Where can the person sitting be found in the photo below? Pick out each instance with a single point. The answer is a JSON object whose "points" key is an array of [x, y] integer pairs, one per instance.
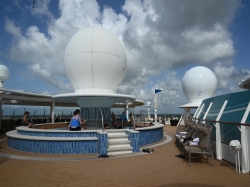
{"points": [[114, 121], [106, 125], [26, 121], [76, 122], [151, 124], [131, 120]]}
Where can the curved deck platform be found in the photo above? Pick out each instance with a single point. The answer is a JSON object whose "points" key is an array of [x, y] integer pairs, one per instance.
{"points": [[55, 141]]}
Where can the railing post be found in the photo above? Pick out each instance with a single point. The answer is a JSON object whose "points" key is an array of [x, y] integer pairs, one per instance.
{"points": [[245, 135], [102, 120], [218, 133]]}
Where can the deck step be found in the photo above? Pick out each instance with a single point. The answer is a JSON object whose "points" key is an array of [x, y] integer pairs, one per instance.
{"points": [[119, 152], [117, 136], [119, 149], [120, 146], [118, 143]]}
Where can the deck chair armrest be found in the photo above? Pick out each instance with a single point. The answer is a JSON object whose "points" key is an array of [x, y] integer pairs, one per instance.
{"points": [[180, 130], [204, 146], [201, 146]]}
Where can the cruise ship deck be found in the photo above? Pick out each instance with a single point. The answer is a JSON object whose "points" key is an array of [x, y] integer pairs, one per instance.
{"points": [[160, 168]]}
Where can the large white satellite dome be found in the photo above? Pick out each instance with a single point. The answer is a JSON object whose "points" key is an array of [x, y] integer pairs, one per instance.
{"points": [[4, 72], [95, 61], [199, 83]]}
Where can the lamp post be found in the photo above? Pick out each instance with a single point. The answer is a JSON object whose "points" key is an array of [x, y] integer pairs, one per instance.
{"points": [[148, 105], [155, 102]]}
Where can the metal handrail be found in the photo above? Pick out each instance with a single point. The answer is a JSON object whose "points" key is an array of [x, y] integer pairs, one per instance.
{"points": [[144, 116], [224, 122], [102, 120], [146, 112], [133, 118]]}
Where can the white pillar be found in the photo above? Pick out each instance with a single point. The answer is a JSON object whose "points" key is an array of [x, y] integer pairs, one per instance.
{"points": [[148, 113], [155, 114], [181, 120], [245, 148], [148, 105], [127, 110], [204, 117], [245, 135], [198, 109], [187, 113], [199, 112], [52, 112], [218, 133], [155, 107]]}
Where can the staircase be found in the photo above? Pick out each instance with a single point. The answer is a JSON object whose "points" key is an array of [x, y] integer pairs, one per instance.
{"points": [[118, 142]]}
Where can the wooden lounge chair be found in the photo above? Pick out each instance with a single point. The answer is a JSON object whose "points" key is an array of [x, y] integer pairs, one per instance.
{"points": [[191, 131], [202, 147]]}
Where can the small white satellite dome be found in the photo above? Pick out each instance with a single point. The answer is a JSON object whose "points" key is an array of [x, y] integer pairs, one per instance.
{"points": [[95, 61], [235, 145], [199, 83], [4, 73], [148, 104]]}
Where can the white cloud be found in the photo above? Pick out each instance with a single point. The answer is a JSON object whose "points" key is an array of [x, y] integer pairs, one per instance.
{"points": [[157, 35], [228, 75], [41, 9], [46, 76]]}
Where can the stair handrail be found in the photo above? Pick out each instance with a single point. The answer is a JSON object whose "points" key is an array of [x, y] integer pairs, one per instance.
{"points": [[102, 120], [132, 116], [145, 115]]}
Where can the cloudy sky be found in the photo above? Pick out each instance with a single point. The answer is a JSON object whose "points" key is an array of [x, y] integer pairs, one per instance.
{"points": [[162, 39]]}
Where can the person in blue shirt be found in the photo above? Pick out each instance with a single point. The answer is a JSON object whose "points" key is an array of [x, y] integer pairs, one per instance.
{"points": [[76, 122], [124, 119], [124, 116]]}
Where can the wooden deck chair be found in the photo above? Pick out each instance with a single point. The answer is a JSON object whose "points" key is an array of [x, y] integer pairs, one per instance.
{"points": [[190, 132], [202, 147]]}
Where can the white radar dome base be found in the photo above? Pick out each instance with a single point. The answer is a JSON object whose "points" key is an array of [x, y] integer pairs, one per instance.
{"points": [[95, 61], [198, 84], [4, 74], [94, 100]]}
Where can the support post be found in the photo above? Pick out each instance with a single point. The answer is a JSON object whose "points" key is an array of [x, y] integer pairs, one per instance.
{"points": [[204, 117], [218, 133], [155, 107], [127, 110], [187, 113], [52, 112], [245, 147], [199, 112], [148, 105], [198, 109]]}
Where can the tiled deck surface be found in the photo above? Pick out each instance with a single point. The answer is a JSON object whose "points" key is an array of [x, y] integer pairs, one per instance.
{"points": [[161, 168]]}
